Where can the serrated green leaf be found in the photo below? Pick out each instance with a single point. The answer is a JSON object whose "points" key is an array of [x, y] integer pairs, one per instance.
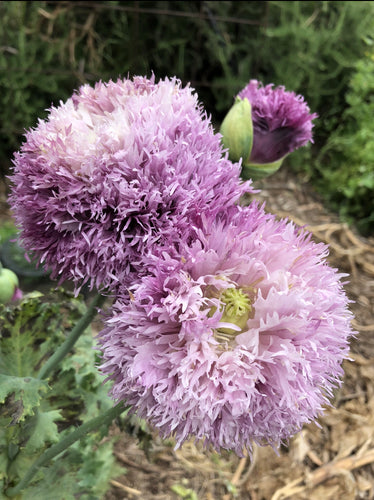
{"points": [[97, 469], [57, 483], [31, 331], [19, 396], [82, 472], [82, 362], [33, 328], [44, 432], [78, 388]]}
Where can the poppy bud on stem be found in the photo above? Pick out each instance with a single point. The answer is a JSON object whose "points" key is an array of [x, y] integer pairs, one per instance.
{"points": [[8, 284], [237, 131], [264, 125]]}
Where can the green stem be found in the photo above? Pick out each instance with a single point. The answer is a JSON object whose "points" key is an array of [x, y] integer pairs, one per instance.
{"points": [[74, 335], [105, 419]]}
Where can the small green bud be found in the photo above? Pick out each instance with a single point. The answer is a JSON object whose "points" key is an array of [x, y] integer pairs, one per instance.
{"points": [[256, 171], [8, 284], [237, 130]]}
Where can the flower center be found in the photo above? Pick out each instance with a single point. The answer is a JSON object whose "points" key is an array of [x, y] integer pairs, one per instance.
{"points": [[237, 310]]}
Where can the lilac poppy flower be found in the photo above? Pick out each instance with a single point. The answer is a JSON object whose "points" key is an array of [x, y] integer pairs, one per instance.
{"points": [[115, 171], [240, 341]]}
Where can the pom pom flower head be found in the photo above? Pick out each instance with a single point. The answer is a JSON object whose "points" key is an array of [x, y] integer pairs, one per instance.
{"points": [[264, 125], [115, 171], [239, 342]]}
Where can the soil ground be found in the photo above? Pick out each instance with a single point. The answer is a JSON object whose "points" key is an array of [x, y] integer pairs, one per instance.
{"points": [[333, 460]]}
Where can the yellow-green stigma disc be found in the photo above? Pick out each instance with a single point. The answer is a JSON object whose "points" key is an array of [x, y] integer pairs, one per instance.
{"points": [[237, 309]]}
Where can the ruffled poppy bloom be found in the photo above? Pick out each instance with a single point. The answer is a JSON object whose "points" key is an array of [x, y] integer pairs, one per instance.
{"points": [[115, 171], [264, 125], [282, 121], [238, 342]]}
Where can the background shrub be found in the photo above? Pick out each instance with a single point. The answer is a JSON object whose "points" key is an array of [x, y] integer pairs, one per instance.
{"points": [[346, 163]]}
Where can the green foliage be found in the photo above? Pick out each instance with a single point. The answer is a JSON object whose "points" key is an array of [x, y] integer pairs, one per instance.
{"points": [[35, 413], [25, 392], [81, 473], [346, 163]]}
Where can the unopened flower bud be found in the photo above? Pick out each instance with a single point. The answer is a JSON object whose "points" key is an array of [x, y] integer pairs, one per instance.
{"points": [[237, 130], [8, 285], [280, 123]]}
